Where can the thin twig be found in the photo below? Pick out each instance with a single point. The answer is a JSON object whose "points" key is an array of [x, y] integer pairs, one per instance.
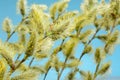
{"points": [[97, 66], [96, 70], [17, 57], [16, 29], [50, 66], [23, 60], [31, 61], [47, 72], [62, 68], [82, 54]]}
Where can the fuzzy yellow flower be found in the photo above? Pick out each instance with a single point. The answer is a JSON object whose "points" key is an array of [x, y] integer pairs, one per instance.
{"points": [[2, 69]]}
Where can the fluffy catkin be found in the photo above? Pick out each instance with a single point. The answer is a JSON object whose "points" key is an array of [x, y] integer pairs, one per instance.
{"points": [[7, 26], [104, 68], [97, 55], [2, 69], [31, 44], [22, 7], [8, 58]]}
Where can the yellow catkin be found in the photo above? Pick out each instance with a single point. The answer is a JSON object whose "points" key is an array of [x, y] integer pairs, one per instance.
{"points": [[31, 44], [30, 74], [112, 40], [104, 68], [71, 75], [36, 14], [22, 7], [22, 39], [2, 69], [67, 15], [84, 36], [62, 5], [83, 73], [97, 55], [56, 50], [7, 57], [89, 76], [68, 47], [102, 37], [40, 56], [88, 49], [73, 63], [53, 10], [7, 26]]}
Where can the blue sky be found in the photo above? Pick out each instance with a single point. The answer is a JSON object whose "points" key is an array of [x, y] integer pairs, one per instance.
{"points": [[8, 9]]}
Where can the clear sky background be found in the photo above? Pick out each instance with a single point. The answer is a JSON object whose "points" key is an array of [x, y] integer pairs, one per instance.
{"points": [[8, 9]]}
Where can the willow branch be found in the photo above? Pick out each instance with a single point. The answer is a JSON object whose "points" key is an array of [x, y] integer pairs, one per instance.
{"points": [[82, 54], [96, 70], [62, 68], [16, 29], [97, 66], [50, 66], [46, 73]]}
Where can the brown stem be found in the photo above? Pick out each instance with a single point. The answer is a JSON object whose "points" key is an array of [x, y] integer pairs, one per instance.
{"points": [[96, 70], [113, 26], [31, 61], [17, 57], [112, 29], [50, 66], [47, 73], [88, 43], [23, 60], [97, 66], [82, 54], [62, 68], [16, 29], [10, 35]]}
